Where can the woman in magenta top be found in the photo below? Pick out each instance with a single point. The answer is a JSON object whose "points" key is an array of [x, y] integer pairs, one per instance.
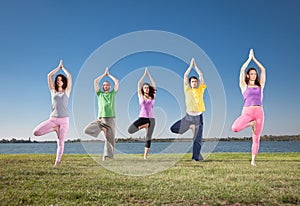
{"points": [[252, 86], [146, 94]]}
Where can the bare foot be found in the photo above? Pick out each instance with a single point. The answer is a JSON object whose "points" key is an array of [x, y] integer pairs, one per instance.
{"points": [[143, 126], [56, 165], [193, 127], [146, 126], [253, 164], [146, 153], [253, 125], [56, 129]]}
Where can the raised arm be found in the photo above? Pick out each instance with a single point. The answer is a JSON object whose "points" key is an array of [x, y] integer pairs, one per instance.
{"points": [[115, 80], [98, 79], [243, 84], [262, 79], [152, 82], [69, 77], [151, 79], [51, 74], [187, 72], [140, 82], [199, 73]]}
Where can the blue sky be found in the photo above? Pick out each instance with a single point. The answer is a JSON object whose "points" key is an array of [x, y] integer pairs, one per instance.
{"points": [[35, 34]]}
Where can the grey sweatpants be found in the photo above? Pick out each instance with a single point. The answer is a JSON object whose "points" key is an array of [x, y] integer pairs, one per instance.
{"points": [[94, 129]]}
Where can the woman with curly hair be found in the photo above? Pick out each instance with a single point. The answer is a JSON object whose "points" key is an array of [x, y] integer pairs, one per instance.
{"points": [[146, 94], [59, 118]]}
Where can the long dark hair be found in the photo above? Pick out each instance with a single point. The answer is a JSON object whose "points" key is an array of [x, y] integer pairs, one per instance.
{"points": [[152, 91], [256, 82], [63, 79]]}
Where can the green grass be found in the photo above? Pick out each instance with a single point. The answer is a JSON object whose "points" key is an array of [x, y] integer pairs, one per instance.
{"points": [[222, 179]]}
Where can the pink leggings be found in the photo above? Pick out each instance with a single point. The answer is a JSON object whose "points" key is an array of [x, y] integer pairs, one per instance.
{"points": [[251, 114], [48, 126]]}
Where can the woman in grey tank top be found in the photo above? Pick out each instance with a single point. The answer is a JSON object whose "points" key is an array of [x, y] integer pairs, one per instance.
{"points": [[58, 122]]}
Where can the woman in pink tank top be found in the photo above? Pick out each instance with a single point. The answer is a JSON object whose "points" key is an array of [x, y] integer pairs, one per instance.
{"points": [[252, 86], [146, 94]]}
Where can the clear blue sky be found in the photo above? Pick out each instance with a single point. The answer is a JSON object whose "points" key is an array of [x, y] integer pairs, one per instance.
{"points": [[35, 34]]}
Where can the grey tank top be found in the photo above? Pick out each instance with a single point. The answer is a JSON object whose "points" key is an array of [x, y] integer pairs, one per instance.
{"points": [[59, 104]]}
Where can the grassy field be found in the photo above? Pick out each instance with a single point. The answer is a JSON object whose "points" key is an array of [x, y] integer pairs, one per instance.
{"points": [[222, 179]]}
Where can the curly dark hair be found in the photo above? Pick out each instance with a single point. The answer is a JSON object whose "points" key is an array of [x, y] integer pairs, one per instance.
{"points": [[63, 79], [152, 91], [257, 77]]}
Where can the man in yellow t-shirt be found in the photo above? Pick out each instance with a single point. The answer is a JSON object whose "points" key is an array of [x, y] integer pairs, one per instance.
{"points": [[194, 109]]}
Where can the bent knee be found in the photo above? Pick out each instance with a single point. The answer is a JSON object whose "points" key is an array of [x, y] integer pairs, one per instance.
{"points": [[234, 128], [87, 131], [93, 133], [37, 133], [130, 130], [174, 130]]}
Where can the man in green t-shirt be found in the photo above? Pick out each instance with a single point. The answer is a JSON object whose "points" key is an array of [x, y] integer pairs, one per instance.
{"points": [[106, 114]]}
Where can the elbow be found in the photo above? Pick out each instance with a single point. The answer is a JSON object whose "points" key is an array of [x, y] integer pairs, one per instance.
{"points": [[49, 77], [186, 77], [69, 75]]}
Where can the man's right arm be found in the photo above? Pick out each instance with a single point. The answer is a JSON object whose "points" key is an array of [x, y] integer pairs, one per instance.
{"points": [[98, 79], [187, 72]]}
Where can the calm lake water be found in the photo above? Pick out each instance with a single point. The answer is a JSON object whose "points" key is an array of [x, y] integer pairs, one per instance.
{"points": [[156, 147]]}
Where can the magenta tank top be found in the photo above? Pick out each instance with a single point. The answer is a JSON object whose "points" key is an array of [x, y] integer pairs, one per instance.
{"points": [[146, 108], [253, 96]]}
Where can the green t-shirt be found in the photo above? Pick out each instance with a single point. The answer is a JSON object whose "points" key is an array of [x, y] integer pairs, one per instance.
{"points": [[106, 104]]}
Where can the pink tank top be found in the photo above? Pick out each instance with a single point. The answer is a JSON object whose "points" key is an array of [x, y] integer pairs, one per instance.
{"points": [[252, 96], [146, 108]]}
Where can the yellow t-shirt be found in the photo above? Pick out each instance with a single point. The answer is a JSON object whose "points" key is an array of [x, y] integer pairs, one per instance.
{"points": [[194, 98]]}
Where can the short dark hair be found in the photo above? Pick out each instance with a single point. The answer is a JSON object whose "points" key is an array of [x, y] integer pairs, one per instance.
{"points": [[192, 77], [106, 82]]}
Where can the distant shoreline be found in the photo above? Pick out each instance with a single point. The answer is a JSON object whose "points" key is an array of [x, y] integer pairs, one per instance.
{"points": [[229, 139]]}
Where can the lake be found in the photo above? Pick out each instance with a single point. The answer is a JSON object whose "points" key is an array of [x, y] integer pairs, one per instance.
{"points": [[156, 147]]}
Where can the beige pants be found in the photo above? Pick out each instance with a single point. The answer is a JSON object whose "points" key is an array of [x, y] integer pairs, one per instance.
{"points": [[94, 129]]}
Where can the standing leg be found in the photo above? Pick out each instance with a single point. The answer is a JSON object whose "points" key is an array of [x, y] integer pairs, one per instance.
{"points": [[197, 138], [259, 120], [149, 137], [63, 130], [109, 144]]}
